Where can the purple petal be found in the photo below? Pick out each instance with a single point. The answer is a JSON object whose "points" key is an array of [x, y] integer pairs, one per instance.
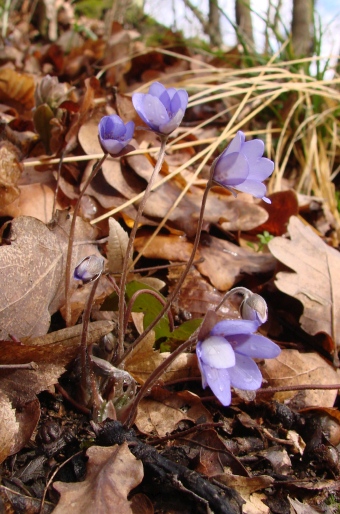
{"points": [[156, 89], [252, 187], [165, 99], [111, 127], [175, 103], [138, 103], [245, 374], [216, 352], [235, 144], [253, 150], [129, 130], [261, 169], [112, 146], [230, 327], [169, 127], [231, 169], [154, 111], [256, 346], [183, 96], [219, 382], [172, 91]]}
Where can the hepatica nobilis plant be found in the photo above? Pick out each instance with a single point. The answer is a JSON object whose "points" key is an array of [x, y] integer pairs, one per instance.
{"points": [[225, 355]]}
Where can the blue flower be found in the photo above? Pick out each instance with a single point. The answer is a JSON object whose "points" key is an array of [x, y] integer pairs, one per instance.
{"points": [[225, 357], [89, 268], [114, 134], [242, 167], [161, 109]]}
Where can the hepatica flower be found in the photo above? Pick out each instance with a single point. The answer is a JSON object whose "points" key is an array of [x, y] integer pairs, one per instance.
{"points": [[161, 109], [242, 167], [114, 134], [225, 357]]}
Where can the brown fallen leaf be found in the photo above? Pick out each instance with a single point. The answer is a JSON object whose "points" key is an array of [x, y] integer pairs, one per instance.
{"points": [[225, 263], [293, 368], [32, 271], [284, 204], [160, 414], [17, 87], [315, 280], [112, 472]]}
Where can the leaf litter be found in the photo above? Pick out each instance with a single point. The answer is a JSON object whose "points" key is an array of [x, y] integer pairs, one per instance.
{"points": [[273, 451]]}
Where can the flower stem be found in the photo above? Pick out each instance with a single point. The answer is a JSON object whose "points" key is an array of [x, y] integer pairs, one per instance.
{"points": [[131, 413], [68, 271], [85, 366], [181, 279], [129, 249]]}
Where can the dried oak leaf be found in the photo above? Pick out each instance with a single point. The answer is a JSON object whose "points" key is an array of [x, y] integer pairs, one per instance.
{"points": [[112, 472], [294, 368], [315, 280], [225, 263], [32, 272]]}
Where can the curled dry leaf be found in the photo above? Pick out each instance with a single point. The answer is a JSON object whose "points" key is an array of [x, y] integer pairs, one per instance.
{"points": [[317, 270], [112, 472], [117, 245], [294, 368], [32, 272]]}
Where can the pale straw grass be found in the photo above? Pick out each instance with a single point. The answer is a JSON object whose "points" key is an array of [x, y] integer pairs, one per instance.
{"points": [[253, 99]]}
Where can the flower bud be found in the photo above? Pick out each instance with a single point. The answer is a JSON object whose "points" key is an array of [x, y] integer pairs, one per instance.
{"points": [[49, 91], [254, 308], [89, 268]]}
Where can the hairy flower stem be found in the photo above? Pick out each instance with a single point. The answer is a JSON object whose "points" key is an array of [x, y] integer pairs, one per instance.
{"points": [[129, 249], [179, 284], [68, 271], [236, 290], [155, 375], [86, 370]]}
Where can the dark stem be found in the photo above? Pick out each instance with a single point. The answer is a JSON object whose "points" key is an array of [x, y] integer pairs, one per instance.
{"points": [[129, 249], [68, 271], [179, 284], [85, 367], [57, 185]]}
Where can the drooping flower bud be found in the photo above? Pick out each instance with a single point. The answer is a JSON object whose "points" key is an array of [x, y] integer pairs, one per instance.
{"points": [[49, 91], [89, 268], [254, 308]]}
